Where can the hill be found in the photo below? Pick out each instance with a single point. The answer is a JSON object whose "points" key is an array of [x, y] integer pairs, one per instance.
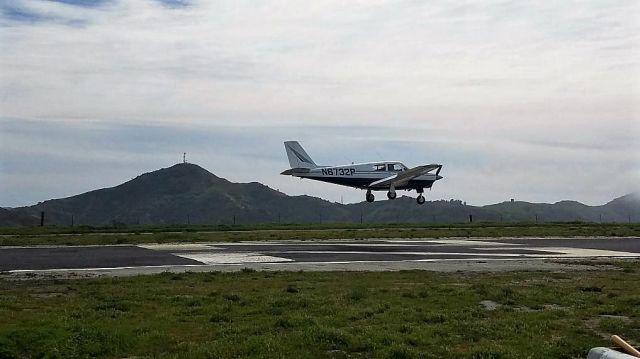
{"points": [[187, 193], [10, 217], [180, 194]]}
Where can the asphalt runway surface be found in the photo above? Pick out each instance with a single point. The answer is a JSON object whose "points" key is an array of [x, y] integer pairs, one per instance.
{"points": [[372, 254]]}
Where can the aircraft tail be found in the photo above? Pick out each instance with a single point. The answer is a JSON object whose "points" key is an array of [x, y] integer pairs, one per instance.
{"points": [[298, 157]]}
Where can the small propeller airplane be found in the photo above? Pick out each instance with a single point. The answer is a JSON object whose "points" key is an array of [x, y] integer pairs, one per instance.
{"points": [[374, 176]]}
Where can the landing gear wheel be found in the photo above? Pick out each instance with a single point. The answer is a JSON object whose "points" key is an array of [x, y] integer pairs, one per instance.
{"points": [[370, 197], [420, 199], [391, 195]]}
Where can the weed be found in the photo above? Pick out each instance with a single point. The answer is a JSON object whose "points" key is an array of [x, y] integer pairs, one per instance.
{"points": [[357, 294], [284, 323], [331, 338], [232, 297], [434, 318], [591, 288], [486, 354], [219, 317]]}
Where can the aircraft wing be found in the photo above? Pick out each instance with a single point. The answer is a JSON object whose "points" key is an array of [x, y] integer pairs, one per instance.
{"points": [[405, 176]]}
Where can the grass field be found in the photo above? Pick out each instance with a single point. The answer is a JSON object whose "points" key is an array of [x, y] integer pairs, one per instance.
{"points": [[90, 235], [325, 314]]}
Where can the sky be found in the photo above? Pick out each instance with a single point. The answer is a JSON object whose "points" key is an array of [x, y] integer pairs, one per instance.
{"points": [[537, 101]]}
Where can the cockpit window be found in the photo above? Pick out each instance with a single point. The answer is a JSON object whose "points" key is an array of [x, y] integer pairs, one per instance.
{"points": [[395, 167], [381, 167]]}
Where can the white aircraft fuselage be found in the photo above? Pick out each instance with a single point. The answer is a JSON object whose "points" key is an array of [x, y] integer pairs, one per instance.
{"points": [[373, 176]]}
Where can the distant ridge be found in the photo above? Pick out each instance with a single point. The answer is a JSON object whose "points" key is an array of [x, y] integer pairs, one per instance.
{"points": [[10, 217], [187, 193], [179, 194]]}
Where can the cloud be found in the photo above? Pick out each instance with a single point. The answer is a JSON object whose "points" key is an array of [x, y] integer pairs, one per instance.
{"points": [[515, 99]]}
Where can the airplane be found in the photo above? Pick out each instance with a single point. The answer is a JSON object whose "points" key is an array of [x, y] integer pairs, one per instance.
{"points": [[373, 176]]}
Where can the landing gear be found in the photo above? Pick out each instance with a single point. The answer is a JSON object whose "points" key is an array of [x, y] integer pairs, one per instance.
{"points": [[420, 198], [370, 197], [391, 195]]}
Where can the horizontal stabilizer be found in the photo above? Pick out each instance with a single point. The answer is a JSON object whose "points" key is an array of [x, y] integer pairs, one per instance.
{"points": [[295, 170]]}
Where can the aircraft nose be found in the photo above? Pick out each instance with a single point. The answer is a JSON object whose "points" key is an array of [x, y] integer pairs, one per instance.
{"points": [[439, 177]]}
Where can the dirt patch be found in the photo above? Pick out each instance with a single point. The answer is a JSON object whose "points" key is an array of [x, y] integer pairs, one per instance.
{"points": [[523, 265], [623, 318], [489, 305], [594, 324]]}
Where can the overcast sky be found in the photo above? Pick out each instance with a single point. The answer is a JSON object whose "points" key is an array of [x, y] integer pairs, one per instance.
{"points": [[534, 100]]}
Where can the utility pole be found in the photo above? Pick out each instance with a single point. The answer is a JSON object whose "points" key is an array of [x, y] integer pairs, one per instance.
{"points": [[42, 219], [234, 219], [184, 157], [72, 220], [471, 218]]}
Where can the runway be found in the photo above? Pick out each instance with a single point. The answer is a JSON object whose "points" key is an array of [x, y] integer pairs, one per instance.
{"points": [[371, 254]]}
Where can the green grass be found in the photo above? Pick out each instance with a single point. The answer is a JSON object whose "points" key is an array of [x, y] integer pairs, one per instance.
{"points": [[90, 235], [287, 314]]}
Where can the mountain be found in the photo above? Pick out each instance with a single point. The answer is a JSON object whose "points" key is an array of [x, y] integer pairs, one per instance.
{"points": [[9, 217], [187, 193], [625, 206], [180, 194]]}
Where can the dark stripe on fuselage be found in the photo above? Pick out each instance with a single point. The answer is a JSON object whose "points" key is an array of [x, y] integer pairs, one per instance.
{"points": [[364, 182]]}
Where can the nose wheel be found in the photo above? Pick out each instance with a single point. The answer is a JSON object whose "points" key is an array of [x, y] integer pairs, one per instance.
{"points": [[370, 197], [420, 199]]}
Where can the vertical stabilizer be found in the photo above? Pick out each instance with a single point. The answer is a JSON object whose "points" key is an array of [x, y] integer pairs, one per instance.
{"points": [[298, 157]]}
